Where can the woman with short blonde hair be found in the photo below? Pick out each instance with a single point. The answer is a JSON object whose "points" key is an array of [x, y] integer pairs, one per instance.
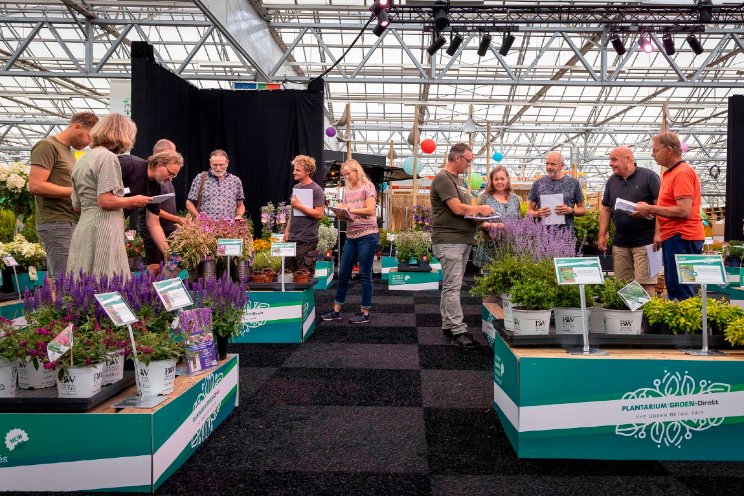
{"points": [[115, 132]]}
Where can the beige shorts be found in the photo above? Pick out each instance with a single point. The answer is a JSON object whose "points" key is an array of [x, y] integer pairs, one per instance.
{"points": [[631, 264]]}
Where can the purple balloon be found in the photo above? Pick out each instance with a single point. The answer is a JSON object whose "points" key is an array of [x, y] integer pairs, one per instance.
{"points": [[331, 132], [684, 147]]}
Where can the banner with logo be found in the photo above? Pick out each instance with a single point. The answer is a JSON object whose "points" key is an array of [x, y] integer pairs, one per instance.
{"points": [[413, 281], [278, 317], [620, 408]]}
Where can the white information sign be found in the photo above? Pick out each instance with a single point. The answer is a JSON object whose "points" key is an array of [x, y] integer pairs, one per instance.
{"points": [[634, 295], [283, 249], [578, 270], [173, 294], [9, 261], [700, 269], [116, 308], [227, 247]]}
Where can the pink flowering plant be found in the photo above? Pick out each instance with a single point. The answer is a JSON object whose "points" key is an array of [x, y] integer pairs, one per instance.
{"points": [[33, 341], [268, 217], [8, 340], [154, 346], [87, 350]]}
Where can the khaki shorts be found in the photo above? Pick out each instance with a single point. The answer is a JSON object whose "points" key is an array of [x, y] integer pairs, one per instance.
{"points": [[631, 264]]}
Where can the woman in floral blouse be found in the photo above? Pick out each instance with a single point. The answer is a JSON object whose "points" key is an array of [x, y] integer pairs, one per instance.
{"points": [[499, 196]]}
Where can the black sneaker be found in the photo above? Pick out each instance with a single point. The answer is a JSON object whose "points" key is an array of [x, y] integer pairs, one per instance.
{"points": [[465, 341], [332, 315], [447, 333], [359, 318]]}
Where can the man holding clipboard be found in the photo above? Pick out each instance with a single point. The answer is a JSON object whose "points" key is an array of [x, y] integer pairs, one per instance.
{"points": [[308, 204]]}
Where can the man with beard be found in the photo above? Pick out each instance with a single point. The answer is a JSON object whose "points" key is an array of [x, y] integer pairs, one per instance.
{"points": [[50, 181], [557, 182]]}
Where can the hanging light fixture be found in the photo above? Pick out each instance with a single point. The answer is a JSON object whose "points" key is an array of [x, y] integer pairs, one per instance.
{"points": [[441, 18], [695, 44], [438, 43], [383, 21], [668, 41], [618, 44], [485, 42], [455, 43], [506, 44], [645, 43]]}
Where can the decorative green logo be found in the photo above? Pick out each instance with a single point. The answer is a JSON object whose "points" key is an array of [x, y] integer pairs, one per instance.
{"points": [[208, 385], [14, 437]]}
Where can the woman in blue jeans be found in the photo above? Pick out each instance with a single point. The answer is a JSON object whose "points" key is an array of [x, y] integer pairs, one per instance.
{"points": [[362, 238]]}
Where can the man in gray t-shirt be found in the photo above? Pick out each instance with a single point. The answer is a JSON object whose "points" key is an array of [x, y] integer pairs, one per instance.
{"points": [[306, 212], [557, 182]]}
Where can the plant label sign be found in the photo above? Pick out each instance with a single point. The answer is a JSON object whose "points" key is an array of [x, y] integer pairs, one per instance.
{"points": [[578, 270], [229, 247], [10, 261], [634, 295], [116, 308], [173, 294], [700, 269], [283, 249]]}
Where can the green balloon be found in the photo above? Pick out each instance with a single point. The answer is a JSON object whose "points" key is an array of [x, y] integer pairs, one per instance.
{"points": [[476, 180]]}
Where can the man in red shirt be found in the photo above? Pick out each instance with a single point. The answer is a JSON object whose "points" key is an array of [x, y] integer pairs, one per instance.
{"points": [[679, 227]]}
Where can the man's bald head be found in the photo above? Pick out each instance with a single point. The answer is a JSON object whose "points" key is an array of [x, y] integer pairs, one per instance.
{"points": [[622, 161]]}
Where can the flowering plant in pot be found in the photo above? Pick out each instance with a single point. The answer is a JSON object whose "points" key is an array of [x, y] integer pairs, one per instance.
{"points": [[192, 242], [135, 251], [301, 276], [327, 237], [413, 245], [8, 352], [155, 346], [14, 194], [227, 300], [421, 218], [26, 254]]}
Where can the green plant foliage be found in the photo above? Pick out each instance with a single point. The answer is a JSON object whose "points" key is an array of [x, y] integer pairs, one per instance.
{"points": [[721, 314], [7, 225], [384, 241], [658, 310], [154, 346], [327, 237], [534, 294], [568, 296], [29, 229], [608, 296], [326, 221], [734, 332], [586, 228], [264, 260], [500, 275], [412, 244], [735, 250]]}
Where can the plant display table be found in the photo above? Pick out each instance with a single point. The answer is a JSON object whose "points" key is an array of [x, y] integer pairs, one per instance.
{"points": [[324, 274], [273, 316], [413, 281], [387, 264], [628, 405], [108, 449], [11, 309]]}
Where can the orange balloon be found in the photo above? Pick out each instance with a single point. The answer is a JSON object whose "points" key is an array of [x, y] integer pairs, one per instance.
{"points": [[428, 146]]}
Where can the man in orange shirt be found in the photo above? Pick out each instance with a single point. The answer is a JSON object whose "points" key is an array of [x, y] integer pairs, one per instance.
{"points": [[679, 227]]}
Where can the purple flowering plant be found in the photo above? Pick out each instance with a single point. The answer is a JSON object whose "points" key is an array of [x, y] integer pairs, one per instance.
{"points": [[421, 218], [526, 237], [33, 341], [226, 299], [194, 323]]}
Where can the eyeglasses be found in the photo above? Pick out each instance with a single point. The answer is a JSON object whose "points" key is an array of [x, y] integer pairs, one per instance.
{"points": [[171, 175], [466, 160], [218, 164]]}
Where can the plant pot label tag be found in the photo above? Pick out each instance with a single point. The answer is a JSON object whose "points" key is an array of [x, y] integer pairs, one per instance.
{"points": [[634, 295], [60, 344], [283, 249], [33, 275], [173, 294], [130, 234], [116, 308], [10, 261], [227, 247], [700, 269], [578, 270]]}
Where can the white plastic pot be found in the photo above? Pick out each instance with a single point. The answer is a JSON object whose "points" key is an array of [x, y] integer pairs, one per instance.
{"points": [[568, 320], [623, 321], [80, 382], [157, 378], [8, 378], [30, 377], [596, 320], [531, 322], [506, 304], [113, 368]]}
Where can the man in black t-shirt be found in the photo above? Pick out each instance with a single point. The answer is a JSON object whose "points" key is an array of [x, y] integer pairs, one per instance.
{"points": [[632, 233]]}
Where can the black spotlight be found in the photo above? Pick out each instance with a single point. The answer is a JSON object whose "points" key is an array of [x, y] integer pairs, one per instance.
{"points": [[695, 44], [441, 20], [618, 44], [506, 44], [436, 45], [485, 42], [668, 43], [381, 5], [455, 43], [645, 43], [383, 21], [705, 10]]}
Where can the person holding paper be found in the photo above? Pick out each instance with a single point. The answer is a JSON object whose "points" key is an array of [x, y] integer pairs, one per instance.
{"points": [[216, 193], [308, 205], [679, 227], [499, 196], [452, 239], [50, 181], [556, 182], [97, 245], [362, 238], [632, 234]]}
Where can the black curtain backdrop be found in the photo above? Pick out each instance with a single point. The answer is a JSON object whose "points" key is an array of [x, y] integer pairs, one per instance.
{"points": [[735, 169], [261, 131]]}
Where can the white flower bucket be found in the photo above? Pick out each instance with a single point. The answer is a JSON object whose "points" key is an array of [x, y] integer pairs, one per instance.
{"points": [[32, 378], [113, 368], [623, 321], [531, 322], [8, 378], [596, 320], [568, 320], [157, 378], [80, 382], [506, 304]]}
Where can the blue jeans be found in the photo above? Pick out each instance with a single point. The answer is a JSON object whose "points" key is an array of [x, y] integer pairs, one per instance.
{"points": [[362, 250], [678, 246]]}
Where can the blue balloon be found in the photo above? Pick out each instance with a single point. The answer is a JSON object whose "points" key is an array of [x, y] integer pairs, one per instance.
{"points": [[408, 165], [498, 156]]}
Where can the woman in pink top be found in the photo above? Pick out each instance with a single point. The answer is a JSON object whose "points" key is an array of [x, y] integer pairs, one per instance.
{"points": [[362, 238]]}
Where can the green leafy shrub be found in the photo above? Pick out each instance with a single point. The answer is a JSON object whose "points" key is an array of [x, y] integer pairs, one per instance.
{"points": [[721, 314], [586, 228], [658, 310], [7, 225], [412, 244], [734, 332], [500, 275], [569, 296], [534, 294], [29, 229], [608, 296]]}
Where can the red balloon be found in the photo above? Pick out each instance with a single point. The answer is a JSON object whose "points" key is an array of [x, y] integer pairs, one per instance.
{"points": [[428, 146]]}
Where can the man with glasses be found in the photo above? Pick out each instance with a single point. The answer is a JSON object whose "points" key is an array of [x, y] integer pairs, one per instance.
{"points": [[452, 238], [679, 227], [216, 193], [146, 177], [557, 182]]}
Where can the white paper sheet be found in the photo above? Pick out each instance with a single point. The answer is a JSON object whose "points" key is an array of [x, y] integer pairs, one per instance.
{"points": [[655, 260], [161, 198], [306, 199], [626, 205], [552, 201]]}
